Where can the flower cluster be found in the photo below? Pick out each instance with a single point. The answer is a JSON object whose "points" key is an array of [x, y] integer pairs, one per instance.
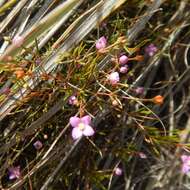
{"points": [[123, 59]]}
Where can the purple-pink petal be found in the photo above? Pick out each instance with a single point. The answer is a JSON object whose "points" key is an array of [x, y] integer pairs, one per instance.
{"points": [[11, 176], [88, 131], [103, 40], [184, 158], [86, 120], [185, 168], [74, 121], [76, 133]]}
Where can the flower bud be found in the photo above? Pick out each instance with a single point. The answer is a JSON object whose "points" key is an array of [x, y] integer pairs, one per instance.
{"points": [[123, 59], [118, 171], [158, 99], [38, 145], [123, 69], [19, 73], [73, 100]]}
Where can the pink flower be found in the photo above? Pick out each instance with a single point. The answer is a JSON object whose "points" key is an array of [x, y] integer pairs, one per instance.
{"points": [[38, 145], [142, 155], [73, 100], [123, 69], [114, 78], [185, 163], [123, 59], [118, 171], [151, 50], [101, 43], [139, 90], [18, 41], [14, 173], [81, 127]]}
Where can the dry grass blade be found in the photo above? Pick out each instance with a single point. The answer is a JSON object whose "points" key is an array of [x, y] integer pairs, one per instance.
{"points": [[33, 33], [12, 15]]}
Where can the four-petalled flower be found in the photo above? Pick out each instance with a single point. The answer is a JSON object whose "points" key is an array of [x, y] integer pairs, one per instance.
{"points": [[81, 127]]}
